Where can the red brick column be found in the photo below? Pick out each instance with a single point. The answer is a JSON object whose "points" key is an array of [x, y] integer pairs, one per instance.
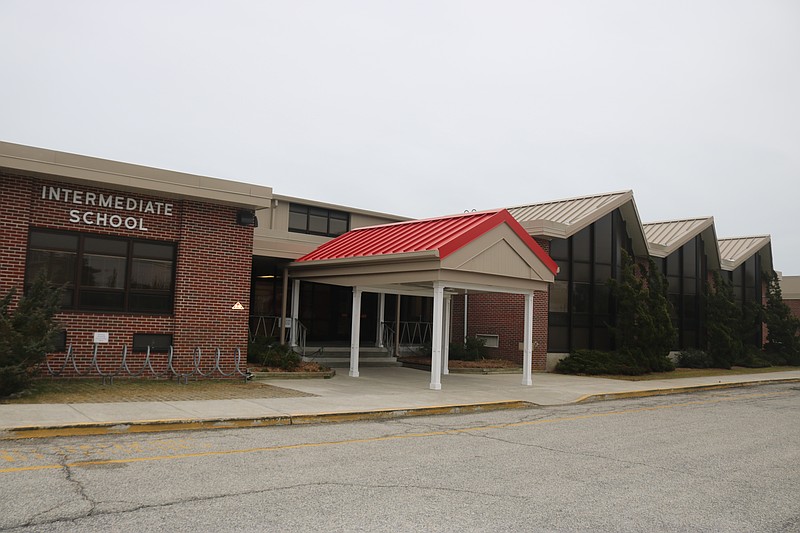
{"points": [[213, 274]]}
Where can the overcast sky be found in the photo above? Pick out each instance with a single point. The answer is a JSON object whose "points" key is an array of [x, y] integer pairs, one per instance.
{"points": [[432, 107]]}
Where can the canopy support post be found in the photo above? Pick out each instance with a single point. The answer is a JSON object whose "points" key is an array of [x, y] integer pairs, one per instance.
{"points": [[381, 310], [436, 344], [527, 355], [355, 332]]}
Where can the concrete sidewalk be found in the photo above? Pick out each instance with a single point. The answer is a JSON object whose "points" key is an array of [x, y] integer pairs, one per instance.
{"points": [[377, 393]]}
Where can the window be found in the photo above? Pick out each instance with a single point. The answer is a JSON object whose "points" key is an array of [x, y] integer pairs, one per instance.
{"points": [[318, 221], [102, 273]]}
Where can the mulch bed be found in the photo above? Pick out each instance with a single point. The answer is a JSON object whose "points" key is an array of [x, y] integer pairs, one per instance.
{"points": [[304, 366]]}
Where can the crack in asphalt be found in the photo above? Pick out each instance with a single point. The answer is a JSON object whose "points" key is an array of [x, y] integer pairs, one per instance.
{"points": [[80, 491], [93, 512]]}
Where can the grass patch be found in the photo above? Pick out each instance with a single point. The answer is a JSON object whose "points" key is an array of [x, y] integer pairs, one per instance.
{"points": [[88, 390], [701, 372]]}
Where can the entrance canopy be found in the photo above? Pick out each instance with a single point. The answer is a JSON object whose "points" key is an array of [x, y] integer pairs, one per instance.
{"points": [[487, 252]]}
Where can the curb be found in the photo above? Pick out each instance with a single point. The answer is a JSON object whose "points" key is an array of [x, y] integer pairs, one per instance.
{"points": [[156, 426], [679, 390]]}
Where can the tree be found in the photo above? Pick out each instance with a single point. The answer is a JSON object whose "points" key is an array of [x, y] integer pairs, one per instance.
{"points": [[663, 331], [783, 340], [27, 334], [724, 323], [643, 328]]}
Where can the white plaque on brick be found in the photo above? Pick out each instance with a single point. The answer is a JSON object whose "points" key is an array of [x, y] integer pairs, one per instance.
{"points": [[100, 337]]}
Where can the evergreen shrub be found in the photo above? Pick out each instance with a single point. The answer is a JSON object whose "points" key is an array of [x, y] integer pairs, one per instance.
{"points": [[27, 334], [596, 362], [694, 358], [472, 349], [266, 352]]}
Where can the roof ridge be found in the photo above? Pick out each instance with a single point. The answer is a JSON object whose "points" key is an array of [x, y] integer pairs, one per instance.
{"points": [[431, 219], [763, 236], [688, 219], [584, 197]]}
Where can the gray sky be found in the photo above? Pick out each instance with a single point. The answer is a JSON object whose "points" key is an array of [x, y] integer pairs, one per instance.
{"points": [[432, 107]]}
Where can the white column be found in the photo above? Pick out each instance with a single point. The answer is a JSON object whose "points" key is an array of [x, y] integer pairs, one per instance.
{"points": [[381, 309], [295, 311], [448, 311], [527, 343], [355, 332], [436, 341]]}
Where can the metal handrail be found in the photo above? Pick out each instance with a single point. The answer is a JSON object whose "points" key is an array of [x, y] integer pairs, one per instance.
{"points": [[411, 333], [270, 327]]}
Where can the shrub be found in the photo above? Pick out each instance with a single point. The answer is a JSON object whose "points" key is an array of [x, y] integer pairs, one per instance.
{"points": [[783, 328], [643, 329], [266, 352], [752, 358], [694, 358], [725, 319], [595, 362], [472, 349], [27, 334]]}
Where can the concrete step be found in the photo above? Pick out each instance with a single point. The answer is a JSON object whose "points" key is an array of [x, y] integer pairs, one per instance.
{"points": [[339, 356], [341, 362]]}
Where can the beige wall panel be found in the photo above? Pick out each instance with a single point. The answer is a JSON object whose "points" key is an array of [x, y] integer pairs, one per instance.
{"points": [[514, 257]]}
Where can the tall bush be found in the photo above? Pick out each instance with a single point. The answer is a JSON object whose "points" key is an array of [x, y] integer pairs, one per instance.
{"points": [[724, 322], [27, 334], [643, 328], [783, 328]]}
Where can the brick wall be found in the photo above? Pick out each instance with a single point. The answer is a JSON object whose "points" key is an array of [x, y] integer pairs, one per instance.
{"points": [[794, 305], [212, 271]]}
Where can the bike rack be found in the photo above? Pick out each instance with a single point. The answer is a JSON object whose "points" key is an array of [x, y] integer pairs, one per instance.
{"points": [[124, 370]]}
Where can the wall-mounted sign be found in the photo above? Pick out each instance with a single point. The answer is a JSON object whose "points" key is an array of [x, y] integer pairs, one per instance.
{"points": [[237, 306], [130, 207], [100, 337]]}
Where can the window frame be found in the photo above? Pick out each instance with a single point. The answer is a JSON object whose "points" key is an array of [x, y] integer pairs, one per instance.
{"points": [[311, 213], [76, 286]]}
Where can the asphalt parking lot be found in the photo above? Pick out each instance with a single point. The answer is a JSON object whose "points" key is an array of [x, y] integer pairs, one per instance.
{"points": [[722, 460]]}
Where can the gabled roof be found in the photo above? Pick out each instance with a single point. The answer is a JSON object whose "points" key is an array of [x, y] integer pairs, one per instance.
{"points": [[486, 252], [667, 236], [441, 236], [736, 250], [563, 218]]}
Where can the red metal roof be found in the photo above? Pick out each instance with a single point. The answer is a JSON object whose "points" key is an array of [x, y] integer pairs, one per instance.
{"points": [[444, 234]]}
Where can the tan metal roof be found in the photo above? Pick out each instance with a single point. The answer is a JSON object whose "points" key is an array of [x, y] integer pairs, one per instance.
{"points": [[51, 164], [736, 250], [667, 236], [563, 218]]}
